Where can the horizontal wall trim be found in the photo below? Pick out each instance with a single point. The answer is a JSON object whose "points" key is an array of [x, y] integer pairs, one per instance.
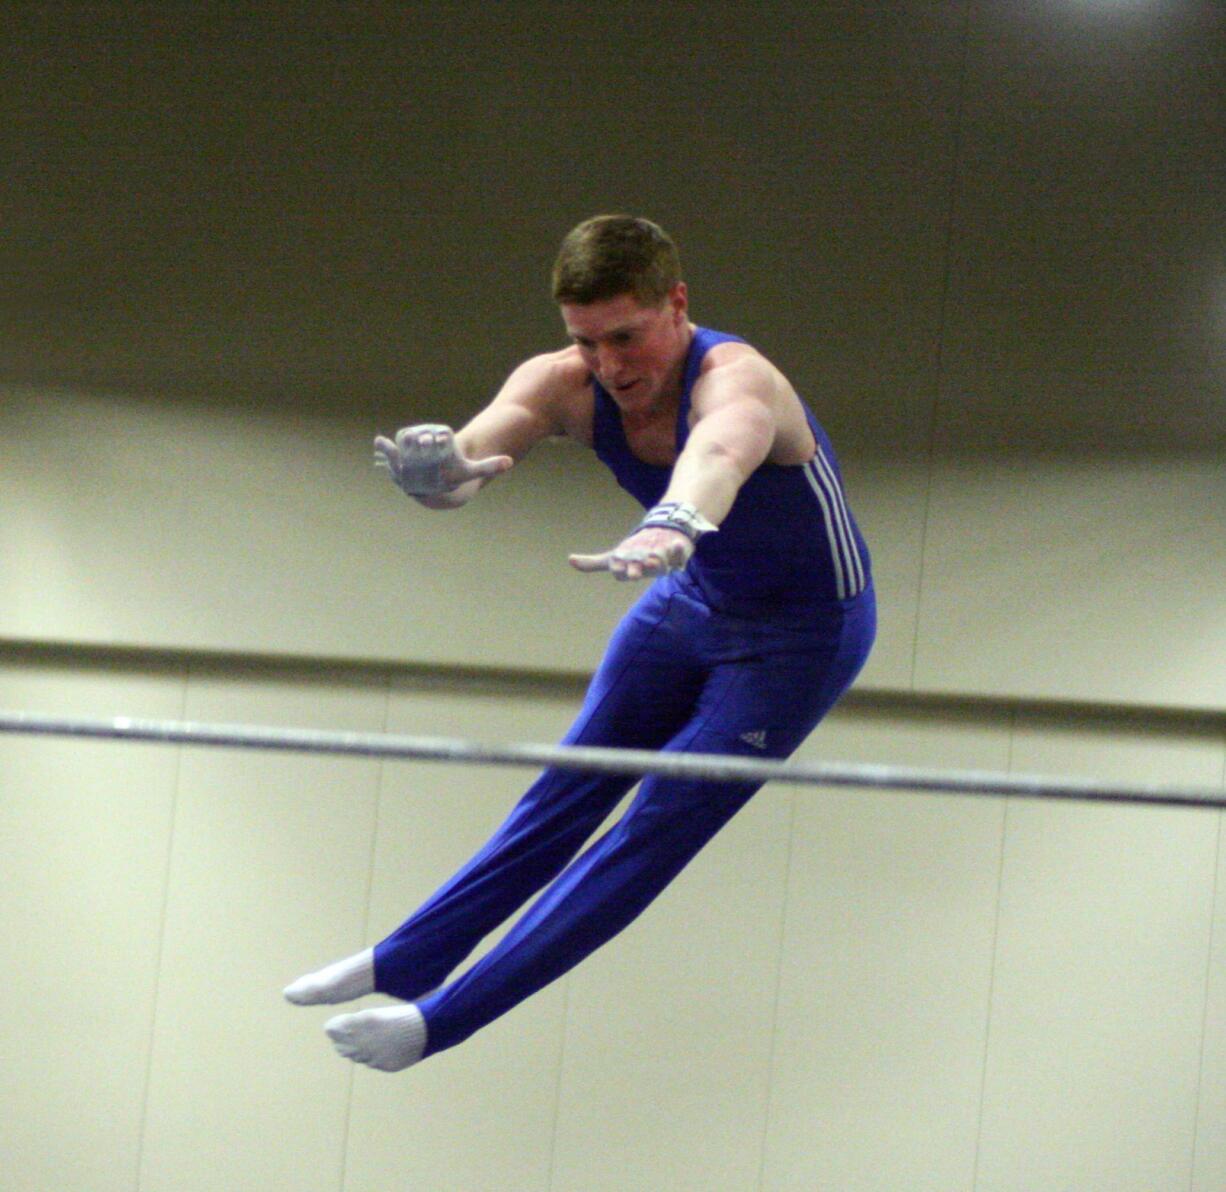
{"points": [[561, 684]]}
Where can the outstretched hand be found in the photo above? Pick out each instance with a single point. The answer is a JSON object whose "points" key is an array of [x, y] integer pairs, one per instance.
{"points": [[644, 555], [425, 460]]}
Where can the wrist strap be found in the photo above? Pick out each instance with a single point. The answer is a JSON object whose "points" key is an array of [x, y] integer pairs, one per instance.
{"points": [[678, 515]]}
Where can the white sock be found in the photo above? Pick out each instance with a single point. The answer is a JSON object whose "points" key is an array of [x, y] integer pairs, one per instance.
{"points": [[390, 1038], [339, 982]]}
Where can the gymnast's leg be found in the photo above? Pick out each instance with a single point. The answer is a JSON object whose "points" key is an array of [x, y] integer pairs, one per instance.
{"points": [[773, 701], [642, 692]]}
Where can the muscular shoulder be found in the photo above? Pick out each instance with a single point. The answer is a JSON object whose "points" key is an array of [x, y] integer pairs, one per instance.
{"points": [[732, 368], [551, 376], [738, 374], [556, 387]]}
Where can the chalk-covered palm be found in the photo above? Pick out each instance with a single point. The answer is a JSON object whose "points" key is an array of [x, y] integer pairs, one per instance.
{"points": [[647, 553], [425, 460]]}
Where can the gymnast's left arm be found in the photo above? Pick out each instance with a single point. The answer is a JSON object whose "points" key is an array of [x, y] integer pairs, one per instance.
{"points": [[734, 430], [732, 435]]}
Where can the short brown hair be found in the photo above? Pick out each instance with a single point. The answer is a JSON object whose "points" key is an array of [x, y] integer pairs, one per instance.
{"points": [[610, 255]]}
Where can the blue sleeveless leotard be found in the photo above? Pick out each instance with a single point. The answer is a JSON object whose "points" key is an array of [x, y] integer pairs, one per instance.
{"points": [[790, 539]]}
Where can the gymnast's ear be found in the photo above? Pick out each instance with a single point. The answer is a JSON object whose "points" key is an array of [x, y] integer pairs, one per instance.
{"points": [[679, 302]]}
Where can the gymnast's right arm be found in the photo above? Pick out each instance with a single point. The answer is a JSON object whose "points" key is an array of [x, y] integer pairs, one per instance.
{"points": [[444, 470]]}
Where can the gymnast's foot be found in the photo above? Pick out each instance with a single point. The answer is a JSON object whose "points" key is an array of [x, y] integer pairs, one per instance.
{"points": [[391, 1038], [339, 982]]}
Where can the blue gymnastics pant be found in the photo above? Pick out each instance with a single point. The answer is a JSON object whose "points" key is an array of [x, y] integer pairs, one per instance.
{"points": [[677, 676]]}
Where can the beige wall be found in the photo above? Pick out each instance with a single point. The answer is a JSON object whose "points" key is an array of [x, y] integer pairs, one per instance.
{"points": [[985, 242], [1093, 578], [1011, 994]]}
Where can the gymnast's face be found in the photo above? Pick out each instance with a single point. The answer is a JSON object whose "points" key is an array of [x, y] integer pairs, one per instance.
{"points": [[636, 352]]}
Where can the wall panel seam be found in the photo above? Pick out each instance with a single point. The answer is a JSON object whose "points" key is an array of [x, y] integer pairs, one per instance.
{"points": [[773, 1048], [1204, 1030], [163, 913], [367, 910], [942, 310], [994, 955], [556, 1125]]}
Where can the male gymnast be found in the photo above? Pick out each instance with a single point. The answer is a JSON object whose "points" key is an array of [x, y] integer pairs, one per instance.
{"points": [[760, 616]]}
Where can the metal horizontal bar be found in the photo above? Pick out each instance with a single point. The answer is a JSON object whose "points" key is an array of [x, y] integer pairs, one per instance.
{"points": [[707, 767]]}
